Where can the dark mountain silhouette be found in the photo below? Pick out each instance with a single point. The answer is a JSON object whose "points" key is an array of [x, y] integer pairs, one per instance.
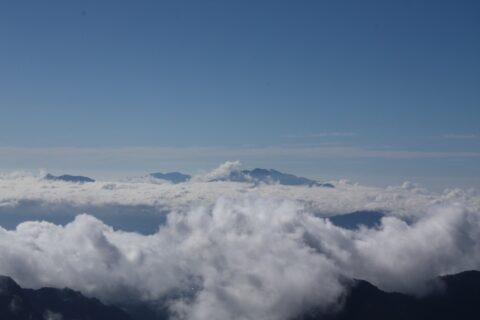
{"points": [[272, 176], [13, 303], [354, 220], [456, 297], [69, 178], [174, 177], [49, 303], [150, 310]]}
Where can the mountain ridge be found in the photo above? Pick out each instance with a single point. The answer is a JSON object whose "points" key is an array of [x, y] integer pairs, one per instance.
{"points": [[269, 176], [68, 178], [456, 296], [17, 303]]}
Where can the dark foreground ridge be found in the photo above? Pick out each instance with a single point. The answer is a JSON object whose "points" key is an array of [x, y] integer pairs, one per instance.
{"points": [[49, 304], [69, 178], [455, 297]]}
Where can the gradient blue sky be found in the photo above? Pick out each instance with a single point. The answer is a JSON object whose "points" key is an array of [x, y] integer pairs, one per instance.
{"points": [[376, 91]]}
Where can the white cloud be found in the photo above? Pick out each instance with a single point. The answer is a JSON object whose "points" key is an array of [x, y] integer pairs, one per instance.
{"points": [[405, 200], [221, 172], [250, 258], [232, 250]]}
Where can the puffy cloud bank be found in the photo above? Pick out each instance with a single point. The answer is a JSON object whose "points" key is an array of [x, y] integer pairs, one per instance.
{"points": [[254, 258], [234, 250], [407, 200]]}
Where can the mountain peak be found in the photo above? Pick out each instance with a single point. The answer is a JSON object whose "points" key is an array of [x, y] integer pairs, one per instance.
{"points": [[272, 176], [8, 285], [50, 303]]}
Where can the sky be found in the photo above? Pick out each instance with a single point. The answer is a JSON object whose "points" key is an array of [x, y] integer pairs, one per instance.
{"points": [[374, 91]]}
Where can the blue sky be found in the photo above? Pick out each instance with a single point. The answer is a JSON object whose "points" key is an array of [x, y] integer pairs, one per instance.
{"points": [[392, 86]]}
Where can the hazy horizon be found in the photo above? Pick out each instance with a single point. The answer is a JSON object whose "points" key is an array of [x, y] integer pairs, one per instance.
{"points": [[370, 91]]}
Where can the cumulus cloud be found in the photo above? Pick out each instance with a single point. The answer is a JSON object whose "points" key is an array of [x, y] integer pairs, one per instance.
{"points": [[221, 172], [249, 258], [229, 250], [30, 193], [235, 259]]}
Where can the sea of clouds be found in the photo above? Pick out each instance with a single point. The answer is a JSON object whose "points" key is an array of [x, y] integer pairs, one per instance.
{"points": [[228, 250]]}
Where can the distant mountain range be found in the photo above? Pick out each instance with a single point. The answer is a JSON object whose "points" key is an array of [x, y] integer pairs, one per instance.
{"points": [[456, 297], [69, 178], [270, 176], [256, 176]]}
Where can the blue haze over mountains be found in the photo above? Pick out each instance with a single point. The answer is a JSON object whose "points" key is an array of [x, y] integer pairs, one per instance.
{"points": [[146, 219], [255, 176]]}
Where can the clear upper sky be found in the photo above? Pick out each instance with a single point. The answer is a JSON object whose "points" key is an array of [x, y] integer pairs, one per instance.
{"points": [[384, 90]]}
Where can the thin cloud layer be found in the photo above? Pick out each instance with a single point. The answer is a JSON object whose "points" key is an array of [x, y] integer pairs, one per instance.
{"points": [[407, 200]]}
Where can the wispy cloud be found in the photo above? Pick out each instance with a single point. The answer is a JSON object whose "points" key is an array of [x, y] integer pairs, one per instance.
{"points": [[327, 134], [132, 155], [462, 136]]}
